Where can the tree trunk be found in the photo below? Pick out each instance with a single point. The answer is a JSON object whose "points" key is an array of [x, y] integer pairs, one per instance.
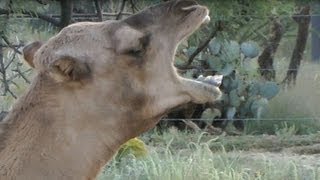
{"points": [[3, 114], [265, 60], [98, 4], [315, 21], [123, 4], [3, 72], [66, 13], [303, 20]]}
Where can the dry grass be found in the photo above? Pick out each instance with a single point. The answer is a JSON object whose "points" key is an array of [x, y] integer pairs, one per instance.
{"points": [[299, 106], [181, 156]]}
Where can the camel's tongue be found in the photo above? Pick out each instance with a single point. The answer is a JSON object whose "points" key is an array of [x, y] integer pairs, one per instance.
{"points": [[215, 80]]}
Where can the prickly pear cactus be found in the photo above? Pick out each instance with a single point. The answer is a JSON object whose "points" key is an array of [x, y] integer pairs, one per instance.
{"points": [[244, 95], [249, 49]]}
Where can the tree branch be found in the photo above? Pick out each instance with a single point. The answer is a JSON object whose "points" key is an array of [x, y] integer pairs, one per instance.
{"points": [[22, 75], [66, 13], [12, 94], [4, 74], [133, 6], [57, 16], [301, 41], [192, 125], [9, 44], [121, 9], [99, 9], [10, 62], [266, 58], [33, 14], [12, 45], [202, 46]]}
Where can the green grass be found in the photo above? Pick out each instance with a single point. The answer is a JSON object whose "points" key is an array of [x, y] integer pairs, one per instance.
{"points": [[177, 155]]}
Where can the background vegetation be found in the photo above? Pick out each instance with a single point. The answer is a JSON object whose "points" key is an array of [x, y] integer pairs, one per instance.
{"points": [[268, 52]]}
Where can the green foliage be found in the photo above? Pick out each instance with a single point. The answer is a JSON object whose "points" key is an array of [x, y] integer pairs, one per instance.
{"points": [[286, 130]]}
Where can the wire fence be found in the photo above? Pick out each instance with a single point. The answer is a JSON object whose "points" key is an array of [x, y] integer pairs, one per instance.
{"points": [[271, 16], [210, 70], [246, 119]]}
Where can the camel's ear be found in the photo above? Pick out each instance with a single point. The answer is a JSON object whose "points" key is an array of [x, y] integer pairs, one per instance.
{"points": [[29, 51], [68, 68]]}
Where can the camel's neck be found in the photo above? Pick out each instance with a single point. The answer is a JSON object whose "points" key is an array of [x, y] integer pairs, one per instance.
{"points": [[47, 138]]}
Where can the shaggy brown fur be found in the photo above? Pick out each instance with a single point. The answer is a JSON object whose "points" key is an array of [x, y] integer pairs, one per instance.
{"points": [[98, 85]]}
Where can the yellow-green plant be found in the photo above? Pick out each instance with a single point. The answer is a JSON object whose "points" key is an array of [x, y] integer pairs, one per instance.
{"points": [[135, 147]]}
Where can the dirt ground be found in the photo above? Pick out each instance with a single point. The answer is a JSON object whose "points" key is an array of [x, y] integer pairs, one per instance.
{"points": [[306, 160]]}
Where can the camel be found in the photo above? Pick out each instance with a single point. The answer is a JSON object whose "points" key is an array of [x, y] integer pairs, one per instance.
{"points": [[97, 85]]}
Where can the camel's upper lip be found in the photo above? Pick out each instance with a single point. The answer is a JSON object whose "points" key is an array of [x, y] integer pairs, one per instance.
{"points": [[190, 8], [206, 19]]}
